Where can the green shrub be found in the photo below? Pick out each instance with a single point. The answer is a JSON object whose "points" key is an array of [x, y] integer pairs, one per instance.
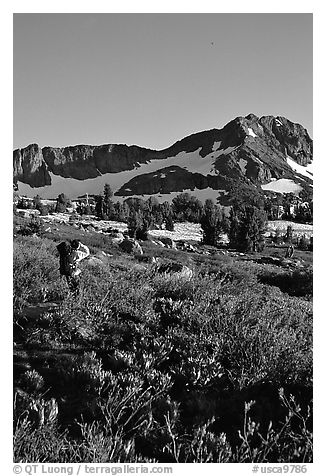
{"points": [[31, 381], [34, 226], [291, 441], [36, 272], [294, 282], [170, 364]]}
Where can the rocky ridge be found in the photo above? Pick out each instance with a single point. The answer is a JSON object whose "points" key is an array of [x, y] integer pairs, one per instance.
{"points": [[248, 150]]}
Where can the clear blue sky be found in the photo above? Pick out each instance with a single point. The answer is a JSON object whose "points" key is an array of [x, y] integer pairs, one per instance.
{"points": [[152, 79]]}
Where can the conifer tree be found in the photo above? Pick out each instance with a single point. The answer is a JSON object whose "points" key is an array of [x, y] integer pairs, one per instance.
{"points": [[166, 213], [169, 223], [289, 234], [187, 207], [108, 205], [247, 226], [99, 207], [38, 205], [211, 223], [135, 223], [62, 203], [119, 212]]}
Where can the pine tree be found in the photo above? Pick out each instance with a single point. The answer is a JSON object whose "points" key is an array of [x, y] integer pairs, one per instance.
{"points": [[38, 205], [211, 223], [108, 205], [87, 209], [289, 234], [99, 206], [147, 223], [235, 226], [278, 237], [169, 223], [154, 208], [119, 212], [247, 226], [135, 223], [303, 243], [62, 203], [187, 207], [126, 211], [165, 211], [37, 202], [255, 225]]}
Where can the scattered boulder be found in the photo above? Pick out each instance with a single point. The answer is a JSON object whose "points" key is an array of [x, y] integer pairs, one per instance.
{"points": [[158, 243], [175, 269], [139, 267], [28, 213], [287, 261], [147, 259], [118, 237], [184, 246], [270, 260], [94, 261], [168, 242], [131, 246], [99, 258]]}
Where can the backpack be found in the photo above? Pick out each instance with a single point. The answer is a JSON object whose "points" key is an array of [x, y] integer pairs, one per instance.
{"points": [[68, 259]]}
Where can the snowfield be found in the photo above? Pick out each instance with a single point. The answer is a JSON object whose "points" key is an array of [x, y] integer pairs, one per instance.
{"points": [[298, 228], [182, 231], [303, 170], [243, 164], [282, 186], [86, 220], [251, 132], [73, 188]]}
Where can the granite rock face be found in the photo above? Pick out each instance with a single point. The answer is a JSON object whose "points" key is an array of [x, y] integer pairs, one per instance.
{"points": [[248, 149], [30, 167]]}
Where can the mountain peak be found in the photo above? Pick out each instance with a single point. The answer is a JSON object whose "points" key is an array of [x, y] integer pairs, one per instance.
{"points": [[248, 151]]}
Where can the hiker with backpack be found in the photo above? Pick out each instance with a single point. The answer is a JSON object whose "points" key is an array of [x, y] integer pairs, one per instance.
{"points": [[289, 252], [70, 255]]}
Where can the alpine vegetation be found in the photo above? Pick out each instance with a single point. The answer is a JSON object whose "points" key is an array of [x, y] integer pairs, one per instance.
{"points": [[163, 299]]}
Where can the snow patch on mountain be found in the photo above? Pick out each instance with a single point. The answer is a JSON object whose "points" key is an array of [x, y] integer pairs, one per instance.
{"points": [[216, 145], [73, 188], [251, 132], [182, 231], [310, 169], [191, 161], [282, 186], [303, 170], [243, 164]]}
